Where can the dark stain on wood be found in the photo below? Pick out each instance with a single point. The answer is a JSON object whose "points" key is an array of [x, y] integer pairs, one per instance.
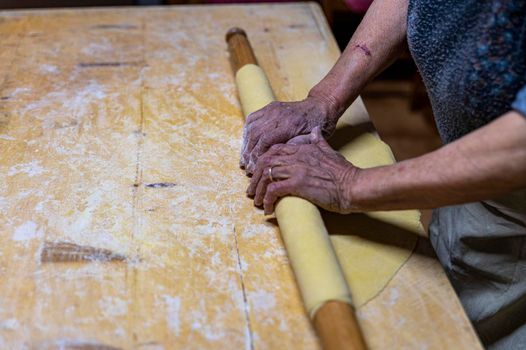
{"points": [[161, 185], [115, 26], [297, 26], [139, 133], [55, 252], [109, 64], [4, 120], [80, 345]]}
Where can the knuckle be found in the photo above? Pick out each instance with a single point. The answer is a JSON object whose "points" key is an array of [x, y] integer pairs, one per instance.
{"points": [[255, 116], [272, 188], [261, 164], [251, 117], [276, 148], [296, 182], [269, 198], [264, 159], [249, 135], [264, 142], [259, 169], [272, 107], [300, 178]]}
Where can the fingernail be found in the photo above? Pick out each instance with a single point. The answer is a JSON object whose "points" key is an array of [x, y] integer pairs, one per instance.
{"points": [[250, 167]]}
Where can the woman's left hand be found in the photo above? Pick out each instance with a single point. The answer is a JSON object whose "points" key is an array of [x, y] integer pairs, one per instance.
{"points": [[313, 171]]}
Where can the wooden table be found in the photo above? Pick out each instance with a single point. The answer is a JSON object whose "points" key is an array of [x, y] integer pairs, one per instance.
{"points": [[120, 130]]}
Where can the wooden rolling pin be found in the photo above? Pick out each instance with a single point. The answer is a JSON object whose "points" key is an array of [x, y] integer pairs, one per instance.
{"points": [[335, 321]]}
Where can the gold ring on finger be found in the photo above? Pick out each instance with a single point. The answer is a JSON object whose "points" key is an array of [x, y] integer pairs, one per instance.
{"points": [[270, 174]]}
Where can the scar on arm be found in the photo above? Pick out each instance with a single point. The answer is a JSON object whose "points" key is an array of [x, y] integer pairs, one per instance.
{"points": [[364, 48]]}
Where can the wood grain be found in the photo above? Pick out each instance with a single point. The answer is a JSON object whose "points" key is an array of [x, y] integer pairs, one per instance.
{"points": [[82, 139]]}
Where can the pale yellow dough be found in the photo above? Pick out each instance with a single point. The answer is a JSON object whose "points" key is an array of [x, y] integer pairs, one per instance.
{"points": [[366, 250], [371, 247]]}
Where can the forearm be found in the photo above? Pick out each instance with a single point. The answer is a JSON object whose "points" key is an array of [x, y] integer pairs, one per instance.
{"points": [[484, 164], [377, 42]]}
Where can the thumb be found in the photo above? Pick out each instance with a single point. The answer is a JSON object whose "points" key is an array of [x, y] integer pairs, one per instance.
{"points": [[318, 139], [315, 135], [299, 140]]}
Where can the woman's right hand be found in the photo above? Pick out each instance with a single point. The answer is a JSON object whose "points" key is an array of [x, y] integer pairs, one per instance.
{"points": [[283, 122]]}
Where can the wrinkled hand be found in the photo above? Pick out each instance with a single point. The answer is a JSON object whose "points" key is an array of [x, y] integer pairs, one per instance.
{"points": [[312, 171], [279, 122]]}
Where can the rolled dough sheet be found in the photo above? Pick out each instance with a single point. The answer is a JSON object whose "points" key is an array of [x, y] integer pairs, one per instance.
{"points": [[371, 247], [366, 250]]}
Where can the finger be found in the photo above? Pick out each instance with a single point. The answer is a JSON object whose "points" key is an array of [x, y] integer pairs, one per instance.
{"points": [[274, 139], [243, 147], [282, 149], [264, 162], [259, 149], [250, 139], [254, 123], [275, 191], [315, 135], [252, 132], [299, 140], [262, 188], [318, 139], [279, 173], [252, 117], [264, 144]]}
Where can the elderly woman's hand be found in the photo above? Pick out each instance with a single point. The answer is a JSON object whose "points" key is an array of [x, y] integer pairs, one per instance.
{"points": [[278, 122], [312, 171]]}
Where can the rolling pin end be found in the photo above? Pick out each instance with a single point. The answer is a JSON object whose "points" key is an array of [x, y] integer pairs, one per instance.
{"points": [[239, 47], [233, 31], [337, 327]]}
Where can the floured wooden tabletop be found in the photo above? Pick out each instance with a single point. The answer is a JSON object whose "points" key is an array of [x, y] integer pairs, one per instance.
{"points": [[124, 219]]}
